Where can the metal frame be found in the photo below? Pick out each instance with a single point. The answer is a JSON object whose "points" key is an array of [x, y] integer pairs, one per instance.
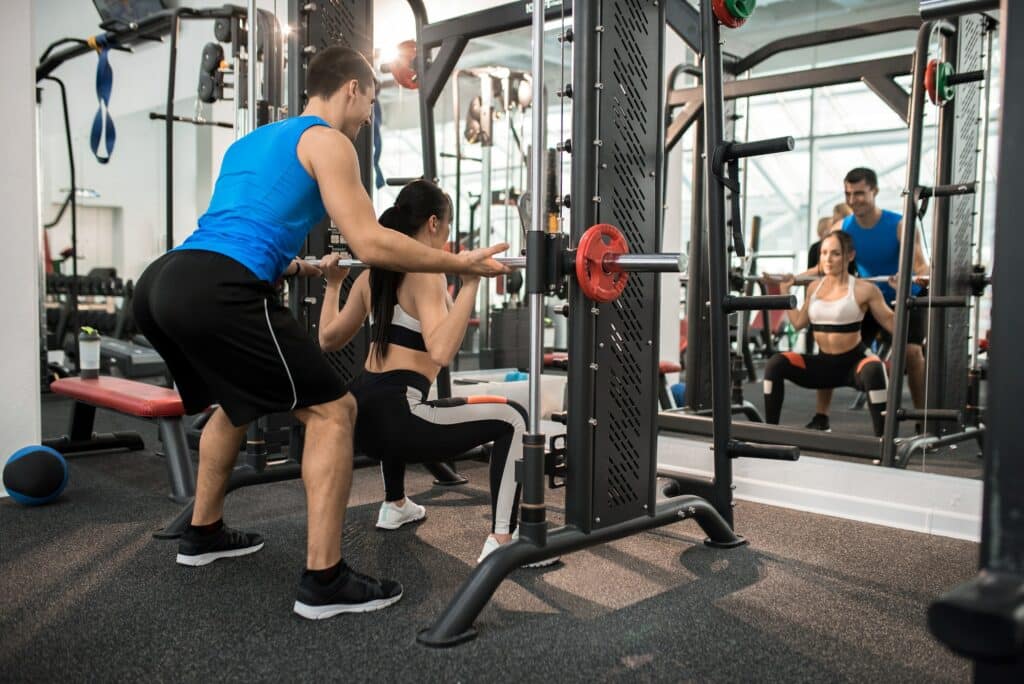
{"points": [[982, 618], [898, 452], [611, 447], [605, 55], [878, 74]]}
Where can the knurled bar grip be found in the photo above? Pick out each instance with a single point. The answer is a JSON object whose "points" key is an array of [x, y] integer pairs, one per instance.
{"points": [[670, 262]]}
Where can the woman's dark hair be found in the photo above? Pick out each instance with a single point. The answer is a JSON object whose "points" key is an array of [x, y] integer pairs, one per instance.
{"points": [[334, 67], [845, 243], [416, 203]]}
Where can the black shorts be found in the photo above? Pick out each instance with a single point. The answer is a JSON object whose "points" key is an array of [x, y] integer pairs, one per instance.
{"points": [[227, 340], [917, 329]]}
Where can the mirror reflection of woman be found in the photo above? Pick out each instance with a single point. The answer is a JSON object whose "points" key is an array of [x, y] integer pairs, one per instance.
{"points": [[834, 308]]}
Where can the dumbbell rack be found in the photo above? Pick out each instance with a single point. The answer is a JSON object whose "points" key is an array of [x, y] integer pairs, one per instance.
{"points": [[67, 297]]}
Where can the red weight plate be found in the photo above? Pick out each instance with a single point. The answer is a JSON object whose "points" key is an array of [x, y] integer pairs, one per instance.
{"points": [[598, 242], [404, 67], [930, 81], [725, 17]]}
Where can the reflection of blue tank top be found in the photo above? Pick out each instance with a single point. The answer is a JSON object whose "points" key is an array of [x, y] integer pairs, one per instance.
{"points": [[264, 202], [878, 249]]}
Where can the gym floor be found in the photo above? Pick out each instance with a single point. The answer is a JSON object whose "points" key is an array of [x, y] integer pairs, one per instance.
{"points": [[88, 592], [958, 460]]}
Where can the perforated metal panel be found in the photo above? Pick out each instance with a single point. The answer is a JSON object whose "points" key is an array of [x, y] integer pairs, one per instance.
{"points": [[348, 361], [948, 334], [630, 145], [341, 22], [331, 22]]}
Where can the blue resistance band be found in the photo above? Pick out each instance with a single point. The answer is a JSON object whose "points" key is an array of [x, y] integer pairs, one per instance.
{"points": [[377, 144], [102, 123]]}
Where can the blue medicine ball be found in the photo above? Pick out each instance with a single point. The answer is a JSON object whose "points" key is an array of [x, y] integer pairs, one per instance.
{"points": [[679, 393], [35, 475]]}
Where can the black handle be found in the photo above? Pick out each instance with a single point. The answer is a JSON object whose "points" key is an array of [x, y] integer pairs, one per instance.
{"points": [[759, 303], [760, 147], [966, 77], [943, 302], [952, 415], [401, 181], [775, 452], [950, 190]]}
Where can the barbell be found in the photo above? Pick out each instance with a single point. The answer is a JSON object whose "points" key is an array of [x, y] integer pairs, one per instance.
{"points": [[602, 262]]}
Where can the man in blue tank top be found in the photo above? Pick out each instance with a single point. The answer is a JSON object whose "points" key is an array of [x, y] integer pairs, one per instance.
{"points": [[210, 308], [877, 237]]}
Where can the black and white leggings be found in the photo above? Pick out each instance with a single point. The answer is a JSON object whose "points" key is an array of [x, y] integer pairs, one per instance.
{"points": [[396, 425], [857, 368]]}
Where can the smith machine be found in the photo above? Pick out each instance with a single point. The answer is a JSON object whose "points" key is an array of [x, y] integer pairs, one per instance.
{"points": [[611, 450]]}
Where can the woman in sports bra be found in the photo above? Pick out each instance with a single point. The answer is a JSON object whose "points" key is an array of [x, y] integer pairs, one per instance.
{"points": [[834, 308], [416, 329]]}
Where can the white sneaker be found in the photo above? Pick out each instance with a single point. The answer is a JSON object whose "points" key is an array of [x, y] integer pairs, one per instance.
{"points": [[493, 544], [391, 516]]}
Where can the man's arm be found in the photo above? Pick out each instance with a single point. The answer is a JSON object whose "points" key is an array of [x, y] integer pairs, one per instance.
{"points": [[333, 164], [921, 266]]}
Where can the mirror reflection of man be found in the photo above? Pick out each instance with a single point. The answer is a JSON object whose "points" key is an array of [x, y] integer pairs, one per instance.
{"points": [[877, 236]]}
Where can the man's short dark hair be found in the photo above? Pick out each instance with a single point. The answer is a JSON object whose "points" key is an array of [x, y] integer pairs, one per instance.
{"points": [[862, 173], [335, 66]]}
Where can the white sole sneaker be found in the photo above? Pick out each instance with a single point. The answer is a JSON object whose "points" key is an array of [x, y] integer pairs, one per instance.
{"points": [[207, 558], [491, 546], [323, 612], [395, 524]]}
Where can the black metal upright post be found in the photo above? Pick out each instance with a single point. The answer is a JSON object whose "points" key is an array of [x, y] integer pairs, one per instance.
{"points": [[718, 267], [939, 281], [907, 238], [586, 56], [984, 617], [698, 351], [426, 106], [954, 221]]}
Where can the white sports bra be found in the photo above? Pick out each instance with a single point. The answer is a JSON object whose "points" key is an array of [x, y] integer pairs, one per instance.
{"points": [[837, 315]]}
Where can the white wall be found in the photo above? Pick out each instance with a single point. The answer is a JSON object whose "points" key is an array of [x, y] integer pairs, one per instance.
{"points": [[21, 274]]}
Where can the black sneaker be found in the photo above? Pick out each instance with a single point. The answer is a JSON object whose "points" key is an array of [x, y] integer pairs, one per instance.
{"points": [[819, 422], [201, 549], [350, 592]]}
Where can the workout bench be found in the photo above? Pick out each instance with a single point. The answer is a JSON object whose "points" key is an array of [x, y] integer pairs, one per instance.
{"points": [[131, 398]]}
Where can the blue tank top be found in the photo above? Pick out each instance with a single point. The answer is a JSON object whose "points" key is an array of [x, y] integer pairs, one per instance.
{"points": [[264, 203], [878, 249]]}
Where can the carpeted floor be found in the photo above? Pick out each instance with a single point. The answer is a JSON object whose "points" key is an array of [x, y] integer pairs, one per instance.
{"points": [[88, 594]]}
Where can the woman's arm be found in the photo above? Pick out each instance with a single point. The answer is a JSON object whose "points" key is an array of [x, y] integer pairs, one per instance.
{"points": [[338, 327], [885, 316], [798, 317], [444, 327]]}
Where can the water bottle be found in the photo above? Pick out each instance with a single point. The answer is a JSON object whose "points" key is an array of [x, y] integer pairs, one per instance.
{"points": [[89, 352]]}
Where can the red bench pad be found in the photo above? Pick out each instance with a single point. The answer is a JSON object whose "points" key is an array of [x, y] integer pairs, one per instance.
{"points": [[126, 396], [669, 367], [552, 358]]}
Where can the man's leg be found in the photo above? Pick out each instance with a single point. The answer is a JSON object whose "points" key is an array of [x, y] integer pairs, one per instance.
{"points": [[207, 539], [823, 401], [328, 586], [915, 373], [218, 451], [327, 476]]}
